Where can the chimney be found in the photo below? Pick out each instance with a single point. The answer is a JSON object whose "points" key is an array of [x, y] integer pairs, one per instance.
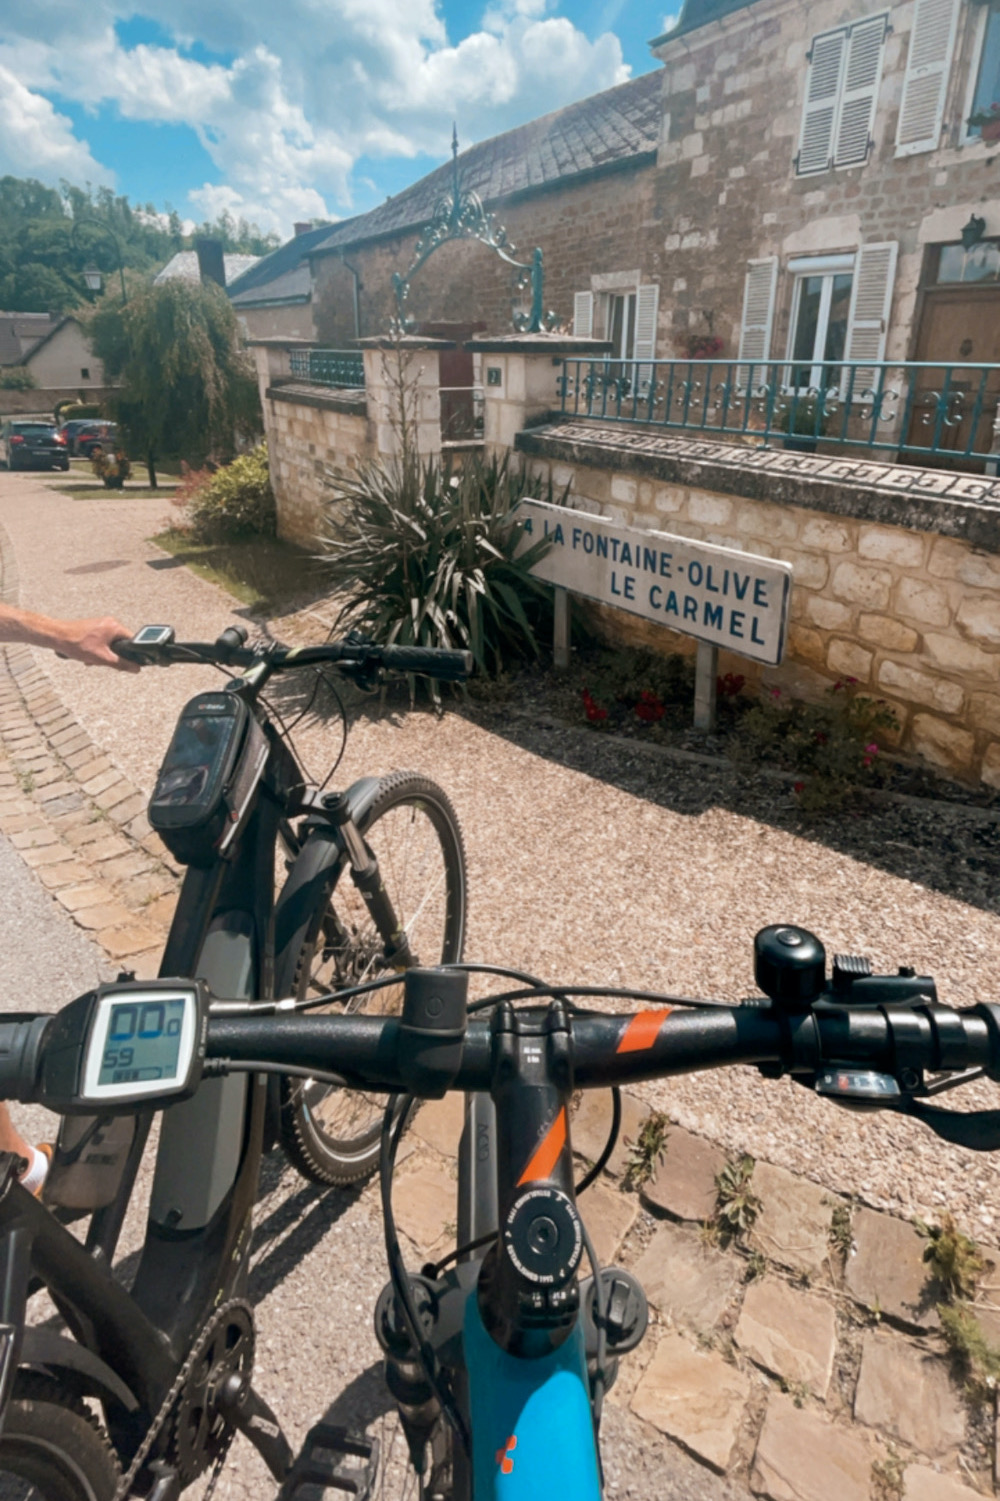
{"points": [[302, 229], [211, 266]]}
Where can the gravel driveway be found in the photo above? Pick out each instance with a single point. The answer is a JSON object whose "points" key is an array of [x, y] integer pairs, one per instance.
{"points": [[590, 861]]}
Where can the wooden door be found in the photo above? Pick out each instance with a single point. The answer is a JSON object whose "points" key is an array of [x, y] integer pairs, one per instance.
{"points": [[958, 325], [455, 374]]}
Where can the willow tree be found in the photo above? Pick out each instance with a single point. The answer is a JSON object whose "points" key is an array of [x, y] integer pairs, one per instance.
{"points": [[186, 386]]}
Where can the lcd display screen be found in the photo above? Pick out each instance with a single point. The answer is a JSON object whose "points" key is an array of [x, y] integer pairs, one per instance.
{"points": [[143, 1042]]}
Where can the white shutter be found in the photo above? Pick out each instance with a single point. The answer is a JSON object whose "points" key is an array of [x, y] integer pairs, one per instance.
{"points": [[583, 315], [826, 66], [646, 306], [758, 313], [932, 42], [871, 301], [862, 74]]}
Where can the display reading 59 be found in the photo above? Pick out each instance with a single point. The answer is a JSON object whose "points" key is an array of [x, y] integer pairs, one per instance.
{"points": [[127, 1045]]}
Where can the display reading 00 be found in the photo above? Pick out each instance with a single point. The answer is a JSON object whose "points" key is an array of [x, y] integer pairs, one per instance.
{"points": [[143, 1042]]}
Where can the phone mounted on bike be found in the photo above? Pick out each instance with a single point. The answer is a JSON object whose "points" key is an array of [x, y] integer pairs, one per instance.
{"points": [[125, 1045], [206, 784]]}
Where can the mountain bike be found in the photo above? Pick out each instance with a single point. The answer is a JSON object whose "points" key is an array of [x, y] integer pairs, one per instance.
{"points": [[376, 881], [499, 1355]]}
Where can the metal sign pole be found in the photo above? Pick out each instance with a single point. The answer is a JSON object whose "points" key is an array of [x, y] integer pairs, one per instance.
{"points": [[706, 674], [560, 631]]}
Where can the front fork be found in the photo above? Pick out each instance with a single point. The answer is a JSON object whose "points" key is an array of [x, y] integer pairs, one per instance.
{"points": [[367, 878]]}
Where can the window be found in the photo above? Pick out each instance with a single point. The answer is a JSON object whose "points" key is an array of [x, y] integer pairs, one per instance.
{"points": [[985, 90], [925, 85], [621, 325], [845, 68], [981, 263], [821, 307], [85, 372]]}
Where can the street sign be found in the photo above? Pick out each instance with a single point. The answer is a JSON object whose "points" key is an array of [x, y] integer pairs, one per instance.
{"points": [[719, 595]]}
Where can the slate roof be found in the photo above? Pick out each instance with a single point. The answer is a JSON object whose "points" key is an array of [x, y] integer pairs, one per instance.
{"points": [[605, 131], [20, 332], [184, 266], [284, 274], [695, 13]]}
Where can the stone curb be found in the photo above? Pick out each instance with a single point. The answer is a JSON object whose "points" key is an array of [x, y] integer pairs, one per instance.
{"points": [[817, 1371]]}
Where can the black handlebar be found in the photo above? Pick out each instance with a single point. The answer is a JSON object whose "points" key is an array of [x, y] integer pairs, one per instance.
{"points": [[438, 662]]}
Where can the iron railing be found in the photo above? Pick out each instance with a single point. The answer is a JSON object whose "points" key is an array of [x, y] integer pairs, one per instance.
{"points": [[343, 368], [915, 410], [462, 415]]}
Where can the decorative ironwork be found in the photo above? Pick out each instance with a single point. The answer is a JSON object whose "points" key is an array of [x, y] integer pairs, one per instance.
{"points": [[460, 215], [341, 368], [914, 409]]}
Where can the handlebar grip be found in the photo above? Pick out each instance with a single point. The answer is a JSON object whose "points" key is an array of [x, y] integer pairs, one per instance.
{"points": [[122, 646], [20, 1055], [433, 661]]}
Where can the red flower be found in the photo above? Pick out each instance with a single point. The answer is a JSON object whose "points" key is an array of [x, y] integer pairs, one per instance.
{"points": [[798, 787], [730, 685], [592, 708], [649, 708]]}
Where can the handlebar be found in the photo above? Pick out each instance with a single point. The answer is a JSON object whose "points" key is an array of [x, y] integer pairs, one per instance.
{"points": [[446, 665]]}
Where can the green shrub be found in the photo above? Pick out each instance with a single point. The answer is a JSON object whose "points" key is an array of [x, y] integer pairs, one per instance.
{"points": [[234, 502], [17, 379], [425, 556]]}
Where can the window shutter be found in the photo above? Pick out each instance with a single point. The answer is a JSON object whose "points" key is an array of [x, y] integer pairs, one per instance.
{"points": [[583, 315], [862, 74], [932, 42], [822, 92], [646, 305], [871, 300], [758, 312]]}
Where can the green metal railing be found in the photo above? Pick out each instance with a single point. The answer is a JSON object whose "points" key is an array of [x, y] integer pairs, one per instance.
{"points": [[343, 368], [915, 410]]}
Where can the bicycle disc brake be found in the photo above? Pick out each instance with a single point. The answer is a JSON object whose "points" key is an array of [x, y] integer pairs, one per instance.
{"points": [[201, 1435]]}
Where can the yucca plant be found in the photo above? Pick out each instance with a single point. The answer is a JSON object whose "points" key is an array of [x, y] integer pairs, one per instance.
{"points": [[425, 556]]}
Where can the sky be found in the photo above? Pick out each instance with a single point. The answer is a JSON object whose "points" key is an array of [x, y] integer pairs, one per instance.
{"points": [[295, 110]]}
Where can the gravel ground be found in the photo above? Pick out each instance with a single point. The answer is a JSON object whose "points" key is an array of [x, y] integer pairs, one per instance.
{"points": [[591, 861]]}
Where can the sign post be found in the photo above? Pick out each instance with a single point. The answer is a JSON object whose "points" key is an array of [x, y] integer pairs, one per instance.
{"points": [[719, 595]]}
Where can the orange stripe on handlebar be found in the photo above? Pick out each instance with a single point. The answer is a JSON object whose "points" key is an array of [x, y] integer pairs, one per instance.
{"points": [[546, 1155], [642, 1031]]}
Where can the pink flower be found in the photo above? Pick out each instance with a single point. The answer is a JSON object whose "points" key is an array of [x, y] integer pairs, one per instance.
{"points": [[775, 692], [871, 750]]}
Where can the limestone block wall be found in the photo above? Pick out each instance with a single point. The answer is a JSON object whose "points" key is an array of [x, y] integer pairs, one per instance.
{"points": [[899, 591], [311, 437]]}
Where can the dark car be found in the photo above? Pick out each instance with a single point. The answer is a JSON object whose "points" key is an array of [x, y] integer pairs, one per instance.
{"points": [[32, 445], [72, 429], [95, 435]]}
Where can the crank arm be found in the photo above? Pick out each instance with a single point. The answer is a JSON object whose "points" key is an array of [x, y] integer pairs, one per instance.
{"points": [[241, 1406]]}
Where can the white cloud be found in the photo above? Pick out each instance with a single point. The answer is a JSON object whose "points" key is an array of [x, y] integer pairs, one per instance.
{"points": [[313, 85], [36, 141], [669, 22]]}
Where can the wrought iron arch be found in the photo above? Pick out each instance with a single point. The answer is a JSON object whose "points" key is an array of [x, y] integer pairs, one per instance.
{"points": [[460, 215]]}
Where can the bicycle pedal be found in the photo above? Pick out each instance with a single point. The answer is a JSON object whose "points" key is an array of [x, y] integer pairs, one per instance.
{"points": [[333, 1460]]}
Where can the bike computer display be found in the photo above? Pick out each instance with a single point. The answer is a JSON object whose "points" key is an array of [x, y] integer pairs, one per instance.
{"points": [[126, 1045], [154, 635]]}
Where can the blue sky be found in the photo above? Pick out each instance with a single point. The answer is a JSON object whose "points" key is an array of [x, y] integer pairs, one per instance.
{"points": [[314, 108]]}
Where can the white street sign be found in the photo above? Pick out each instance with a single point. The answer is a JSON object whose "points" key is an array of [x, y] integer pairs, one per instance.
{"points": [[728, 598]]}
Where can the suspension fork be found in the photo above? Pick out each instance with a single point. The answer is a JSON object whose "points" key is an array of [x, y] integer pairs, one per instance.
{"points": [[368, 879]]}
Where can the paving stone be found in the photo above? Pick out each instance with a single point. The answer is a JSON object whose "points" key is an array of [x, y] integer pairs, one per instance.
{"points": [[121, 867], [74, 818], [51, 792], [160, 914], [128, 938], [103, 915], [608, 1214], [694, 1397], [18, 822], [906, 1391], [138, 827], [102, 781], [49, 854], [123, 813], [110, 847], [687, 1278], [425, 1200], [64, 873], [683, 1182], [146, 966], [114, 795], [790, 1333], [804, 1457], [79, 760], [591, 1122], [47, 776], [86, 894], [89, 832], [793, 1227], [139, 891], [886, 1270], [439, 1123], [923, 1484], [34, 837]]}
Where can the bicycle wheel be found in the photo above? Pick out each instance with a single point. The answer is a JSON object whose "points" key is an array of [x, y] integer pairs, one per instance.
{"points": [[331, 1135], [52, 1448]]}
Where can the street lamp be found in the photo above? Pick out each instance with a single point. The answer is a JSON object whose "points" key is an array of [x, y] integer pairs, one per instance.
{"points": [[91, 275]]}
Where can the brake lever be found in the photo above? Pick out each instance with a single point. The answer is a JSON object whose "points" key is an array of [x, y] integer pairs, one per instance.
{"points": [[977, 1130]]}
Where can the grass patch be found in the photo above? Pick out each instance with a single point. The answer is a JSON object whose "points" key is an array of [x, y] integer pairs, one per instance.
{"points": [[266, 574], [135, 492]]}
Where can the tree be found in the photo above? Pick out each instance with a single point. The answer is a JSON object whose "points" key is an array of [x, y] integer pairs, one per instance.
{"points": [[187, 385]]}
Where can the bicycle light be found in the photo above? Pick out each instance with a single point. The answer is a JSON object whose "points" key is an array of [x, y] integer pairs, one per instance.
{"points": [[432, 1029]]}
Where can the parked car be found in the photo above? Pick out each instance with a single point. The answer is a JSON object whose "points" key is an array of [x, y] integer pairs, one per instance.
{"points": [[32, 445], [88, 434], [72, 429]]}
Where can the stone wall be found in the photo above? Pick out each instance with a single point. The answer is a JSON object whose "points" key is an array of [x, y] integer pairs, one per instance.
{"points": [[311, 435], [896, 570]]}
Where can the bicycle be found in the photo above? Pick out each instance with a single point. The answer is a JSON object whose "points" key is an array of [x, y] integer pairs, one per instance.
{"points": [[498, 1356], [158, 1359]]}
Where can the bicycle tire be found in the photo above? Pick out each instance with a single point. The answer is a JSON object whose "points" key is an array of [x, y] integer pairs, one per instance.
{"points": [[52, 1448], [340, 931]]}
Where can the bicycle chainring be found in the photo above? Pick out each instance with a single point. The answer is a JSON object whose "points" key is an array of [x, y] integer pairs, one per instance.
{"points": [[200, 1434]]}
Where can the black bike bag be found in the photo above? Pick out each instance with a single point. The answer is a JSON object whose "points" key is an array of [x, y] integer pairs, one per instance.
{"points": [[209, 777]]}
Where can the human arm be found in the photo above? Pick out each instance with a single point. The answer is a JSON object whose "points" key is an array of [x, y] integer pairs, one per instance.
{"points": [[87, 641]]}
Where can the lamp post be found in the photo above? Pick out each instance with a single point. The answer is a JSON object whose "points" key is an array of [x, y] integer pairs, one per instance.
{"points": [[91, 275]]}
